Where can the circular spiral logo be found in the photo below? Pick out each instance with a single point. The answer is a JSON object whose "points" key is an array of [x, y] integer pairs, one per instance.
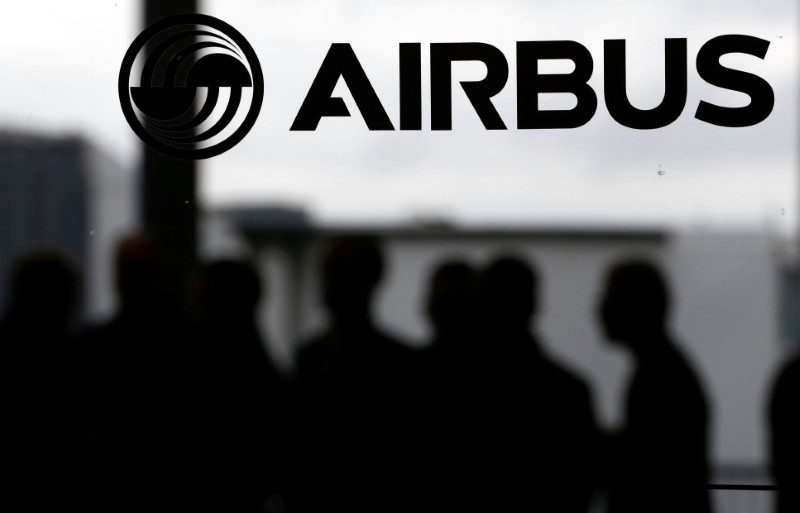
{"points": [[191, 86]]}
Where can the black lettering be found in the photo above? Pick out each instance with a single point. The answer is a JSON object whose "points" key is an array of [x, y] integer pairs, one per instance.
{"points": [[530, 84], [762, 98], [479, 93], [342, 62], [675, 86], [410, 86]]}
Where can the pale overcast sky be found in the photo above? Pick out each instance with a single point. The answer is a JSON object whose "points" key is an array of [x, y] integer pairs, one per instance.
{"points": [[61, 60]]}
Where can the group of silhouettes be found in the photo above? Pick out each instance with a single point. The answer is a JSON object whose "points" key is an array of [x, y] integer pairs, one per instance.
{"points": [[482, 419]]}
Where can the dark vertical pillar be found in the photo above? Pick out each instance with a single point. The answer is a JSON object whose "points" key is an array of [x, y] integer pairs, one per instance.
{"points": [[169, 187]]}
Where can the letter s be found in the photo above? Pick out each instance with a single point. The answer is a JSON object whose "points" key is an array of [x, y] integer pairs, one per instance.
{"points": [[762, 98]]}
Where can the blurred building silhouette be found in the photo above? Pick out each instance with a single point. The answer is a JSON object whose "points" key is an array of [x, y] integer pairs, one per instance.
{"points": [[63, 192], [727, 288]]}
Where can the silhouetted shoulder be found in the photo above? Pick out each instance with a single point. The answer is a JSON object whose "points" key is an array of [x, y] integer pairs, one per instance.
{"points": [[782, 408], [675, 375], [394, 345], [315, 346], [312, 354], [787, 380], [570, 392], [566, 379], [550, 377], [784, 445]]}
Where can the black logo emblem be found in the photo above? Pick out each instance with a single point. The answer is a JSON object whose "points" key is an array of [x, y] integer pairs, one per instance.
{"points": [[191, 86]]}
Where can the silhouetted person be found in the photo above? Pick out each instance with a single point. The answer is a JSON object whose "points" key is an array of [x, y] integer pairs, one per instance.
{"points": [[449, 371], [39, 430], [658, 463], [134, 371], [536, 440], [238, 417], [452, 306], [784, 417], [241, 388], [353, 382]]}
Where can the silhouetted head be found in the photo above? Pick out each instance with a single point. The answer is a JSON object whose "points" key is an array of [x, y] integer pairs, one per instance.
{"points": [[44, 288], [451, 297], [139, 272], [351, 270], [635, 303], [508, 294], [230, 289]]}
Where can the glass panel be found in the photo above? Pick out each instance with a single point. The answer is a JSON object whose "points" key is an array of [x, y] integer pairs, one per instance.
{"points": [[469, 254]]}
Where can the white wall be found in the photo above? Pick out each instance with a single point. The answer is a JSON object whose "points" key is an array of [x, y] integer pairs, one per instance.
{"points": [[727, 315]]}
